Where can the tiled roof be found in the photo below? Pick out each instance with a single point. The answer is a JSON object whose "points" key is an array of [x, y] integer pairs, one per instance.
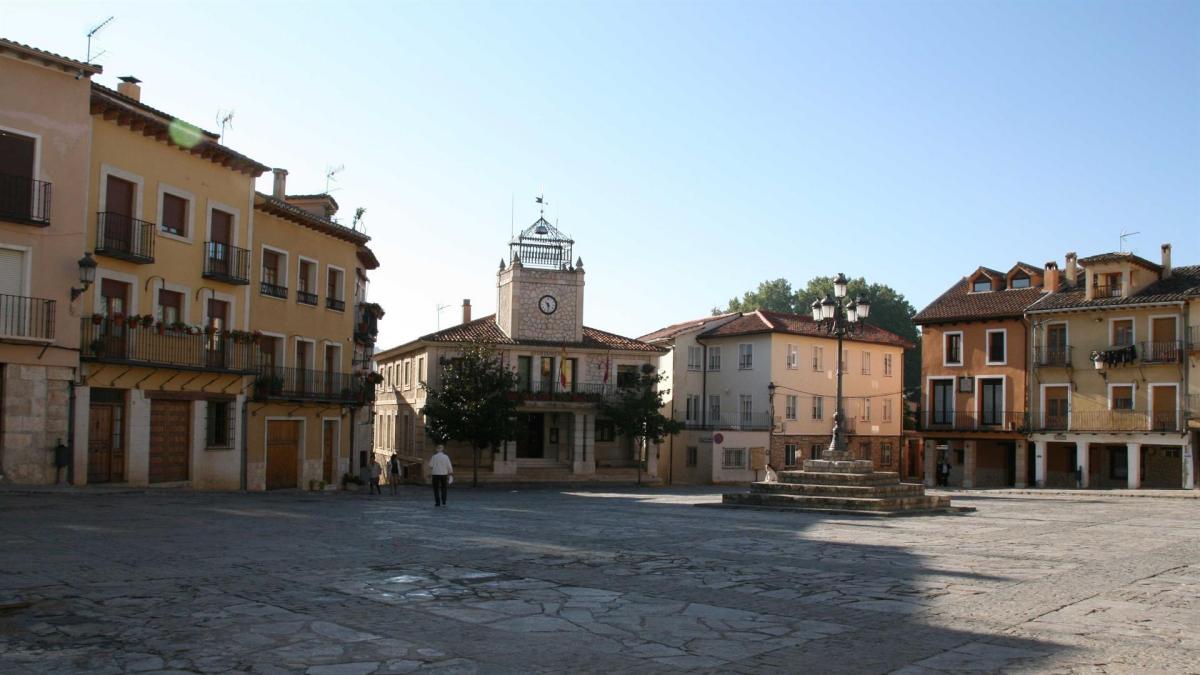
{"points": [[1024, 266], [294, 213], [763, 321], [367, 257], [1120, 257], [995, 274], [485, 331], [677, 329], [24, 51], [1184, 284], [958, 303]]}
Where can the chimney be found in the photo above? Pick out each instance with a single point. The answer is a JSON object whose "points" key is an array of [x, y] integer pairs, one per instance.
{"points": [[1069, 272], [129, 87], [1050, 280], [1166, 261], [466, 310], [279, 188]]}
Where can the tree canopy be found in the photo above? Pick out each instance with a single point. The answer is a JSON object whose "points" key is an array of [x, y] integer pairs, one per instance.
{"points": [[636, 412]]}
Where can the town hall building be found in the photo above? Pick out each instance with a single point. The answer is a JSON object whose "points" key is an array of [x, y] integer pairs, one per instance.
{"points": [[564, 370]]}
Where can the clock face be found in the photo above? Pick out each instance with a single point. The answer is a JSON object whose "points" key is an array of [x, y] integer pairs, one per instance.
{"points": [[547, 304]]}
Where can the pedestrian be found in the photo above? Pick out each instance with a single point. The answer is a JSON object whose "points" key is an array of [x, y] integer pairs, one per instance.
{"points": [[944, 472], [376, 472], [772, 476], [442, 472], [394, 472]]}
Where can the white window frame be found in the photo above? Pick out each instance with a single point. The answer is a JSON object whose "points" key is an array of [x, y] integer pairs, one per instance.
{"points": [[139, 191], [887, 365], [1150, 329], [749, 363], [312, 354], [406, 371], [790, 404], [341, 288], [818, 358], [978, 394], [953, 396], [37, 149], [280, 347], [316, 268], [284, 274], [189, 219], [745, 412], [1042, 402], [793, 356], [1112, 342], [794, 450], [1132, 396], [330, 344], [866, 362], [27, 267], [714, 411], [987, 347], [220, 206], [866, 408], [102, 274], [961, 349], [818, 407], [887, 410], [725, 455], [231, 322], [714, 359], [1150, 387], [695, 364], [692, 411], [185, 311]]}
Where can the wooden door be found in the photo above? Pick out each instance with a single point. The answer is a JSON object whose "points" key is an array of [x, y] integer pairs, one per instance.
{"points": [[1162, 334], [218, 317], [114, 298], [1162, 406], [283, 454], [118, 217], [16, 174], [170, 440], [328, 447], [100, 450], [1056, 408], [220, 238]]}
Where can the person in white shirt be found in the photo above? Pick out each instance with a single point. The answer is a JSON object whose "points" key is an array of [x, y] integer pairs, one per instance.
{"points": [[440, 469]]}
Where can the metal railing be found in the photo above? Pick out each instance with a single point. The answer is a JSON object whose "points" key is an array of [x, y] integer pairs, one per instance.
{"points": [[1191, 404], [1106, 290], [273, 290], [303, 384], [334, 303], [1193, 338], [22, 317], [1162, 352], [306, 298], [983, 420], [118, 341], [1112, 420], [124, 237], [755, 421], [223, 262], [1052, 357], [24, 200], [553, 390]]}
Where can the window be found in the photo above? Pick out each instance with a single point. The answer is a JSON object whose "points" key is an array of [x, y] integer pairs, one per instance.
{"points": [[866, 409], [991, 401], [695, 358], [420, 369], [866, 362], [864, 450], [335, 282], [1021, 281], [268, 348], [714, 358], [885, 454], [790, 408], [981, 285], [174, 215], [815, 450], [1122, 332], [693, 454], [745, 356], [524, 373], [274, 274], [943, 401], [793, 357], [693, 408], [887, 365], [1107, 285], [887, 410], [952, 354], [170, 307], [818, 407], [997, 354], [789, 454], [746, 408], [627, 376], [714, 408], [605, 431], [19, 196], [1120, 397], [218, 321], [219, 433], [733, 458], [407, 372], [306, 282], [818, 358]]}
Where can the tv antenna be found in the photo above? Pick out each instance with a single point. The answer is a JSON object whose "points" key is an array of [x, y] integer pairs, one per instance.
{"points": [[1125, 235], [92, 32], [440, 309], [331, 173], [225, 121]]}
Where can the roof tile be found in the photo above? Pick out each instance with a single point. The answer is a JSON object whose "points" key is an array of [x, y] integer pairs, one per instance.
{"points": [[764, 321], [1184, 284], [485, 331]]}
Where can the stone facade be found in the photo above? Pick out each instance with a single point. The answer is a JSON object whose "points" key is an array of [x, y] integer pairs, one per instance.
{"points": [[861, 447], [36, 409], [520, 291]]}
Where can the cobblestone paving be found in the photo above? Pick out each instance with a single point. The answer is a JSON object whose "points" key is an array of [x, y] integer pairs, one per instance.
{"points": [[546, 581]]}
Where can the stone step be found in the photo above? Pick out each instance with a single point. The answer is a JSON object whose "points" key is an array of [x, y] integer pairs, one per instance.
{"points": [[922, 502], [813, 478], [818, 490]]}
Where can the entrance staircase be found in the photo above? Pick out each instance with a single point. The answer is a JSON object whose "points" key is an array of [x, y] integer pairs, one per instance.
{"points": [[873, 493]]}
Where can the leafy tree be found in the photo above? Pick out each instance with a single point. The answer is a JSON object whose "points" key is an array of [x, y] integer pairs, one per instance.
{"points": [[472, 404], [637, 412], [776, 296]]}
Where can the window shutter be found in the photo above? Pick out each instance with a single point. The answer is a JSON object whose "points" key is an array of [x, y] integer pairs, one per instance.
{"points": [[12, 271]]}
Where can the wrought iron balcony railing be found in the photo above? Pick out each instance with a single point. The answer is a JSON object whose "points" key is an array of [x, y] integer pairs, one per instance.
{"points": [[1193, 338], [306, 298], [334, 303], [273, 290], [1106, 291], [118, 341], [123, 237], [223, 262], [554, 390], [983, 420], [755, 421], [1161, 352], [24, 200], [303, 384], [26, 318], [1112, 421], [1052, 357]]}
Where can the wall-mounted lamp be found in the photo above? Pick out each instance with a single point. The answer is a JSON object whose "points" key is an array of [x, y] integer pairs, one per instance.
{"points": [[87, 275]]}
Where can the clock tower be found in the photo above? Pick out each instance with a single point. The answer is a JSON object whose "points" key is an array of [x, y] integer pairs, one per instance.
{"points": [[540, 291]]}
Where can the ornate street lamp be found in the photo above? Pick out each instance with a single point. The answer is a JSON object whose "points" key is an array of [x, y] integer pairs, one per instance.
{"points": [[840, 320]]}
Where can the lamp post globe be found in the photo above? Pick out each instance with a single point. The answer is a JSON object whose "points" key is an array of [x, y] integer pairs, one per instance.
{"points": [[840, 286]]}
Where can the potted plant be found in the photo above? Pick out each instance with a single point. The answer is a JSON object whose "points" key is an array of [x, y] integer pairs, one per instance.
{"points": [[97, 319], [147, 320], [118, 319], [97, 347], [374, 378]]}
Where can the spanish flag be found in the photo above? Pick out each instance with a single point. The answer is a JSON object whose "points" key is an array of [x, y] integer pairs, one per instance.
{"points": [[562, 369]]}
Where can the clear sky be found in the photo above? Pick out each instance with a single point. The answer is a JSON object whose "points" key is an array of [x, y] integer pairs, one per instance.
{"points": [[692, 149]]}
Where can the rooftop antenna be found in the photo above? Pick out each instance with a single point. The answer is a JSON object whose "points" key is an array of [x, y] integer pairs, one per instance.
{"points": [[1125, 235], [92, 32], [331, 175], [224, 120], [440, 309]]}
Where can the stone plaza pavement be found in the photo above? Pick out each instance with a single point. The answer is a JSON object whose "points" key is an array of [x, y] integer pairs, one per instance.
{"points": [[569, 581]]}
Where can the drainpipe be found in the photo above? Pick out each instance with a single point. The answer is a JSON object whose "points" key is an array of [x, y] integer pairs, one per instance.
{"points": [[245, 435], [70, 433]]}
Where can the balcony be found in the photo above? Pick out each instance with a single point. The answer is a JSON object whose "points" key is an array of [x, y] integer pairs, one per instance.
{"points": [[24, 200], [366, 329], [119, 341], [335, 304], [1162, 352], [756, 421], [573, 391], [23, 318], [1106, 291], [120, 236], [1193, 339], [226, 263], [1052, 357], [972, 421], [302, 384], [1112, 421], [306, 298], [273, 290]]}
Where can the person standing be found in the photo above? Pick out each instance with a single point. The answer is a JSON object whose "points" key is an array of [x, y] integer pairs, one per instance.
{"points": [[440, 470], [394, 472], [376, 472]]}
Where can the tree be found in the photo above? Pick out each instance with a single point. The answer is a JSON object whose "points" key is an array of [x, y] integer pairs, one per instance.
{"points": [[637, 412], [473, 403], [776, 296]]}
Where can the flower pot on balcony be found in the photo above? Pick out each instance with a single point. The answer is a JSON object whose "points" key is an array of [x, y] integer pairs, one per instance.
{"points": [[97, 319]]}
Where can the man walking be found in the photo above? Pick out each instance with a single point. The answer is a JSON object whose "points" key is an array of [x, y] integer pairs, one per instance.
{"points": [[394, 472], [376, 471], [441, 470]]}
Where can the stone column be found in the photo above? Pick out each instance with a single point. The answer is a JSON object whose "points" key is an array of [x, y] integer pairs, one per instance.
{"points": [[83, 397], [137, 449], [1189, 461], [1083, 452], [930, 463], [968, 476], [584, 460], [1039, 463], [1133, 455], [1022, 478]]}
